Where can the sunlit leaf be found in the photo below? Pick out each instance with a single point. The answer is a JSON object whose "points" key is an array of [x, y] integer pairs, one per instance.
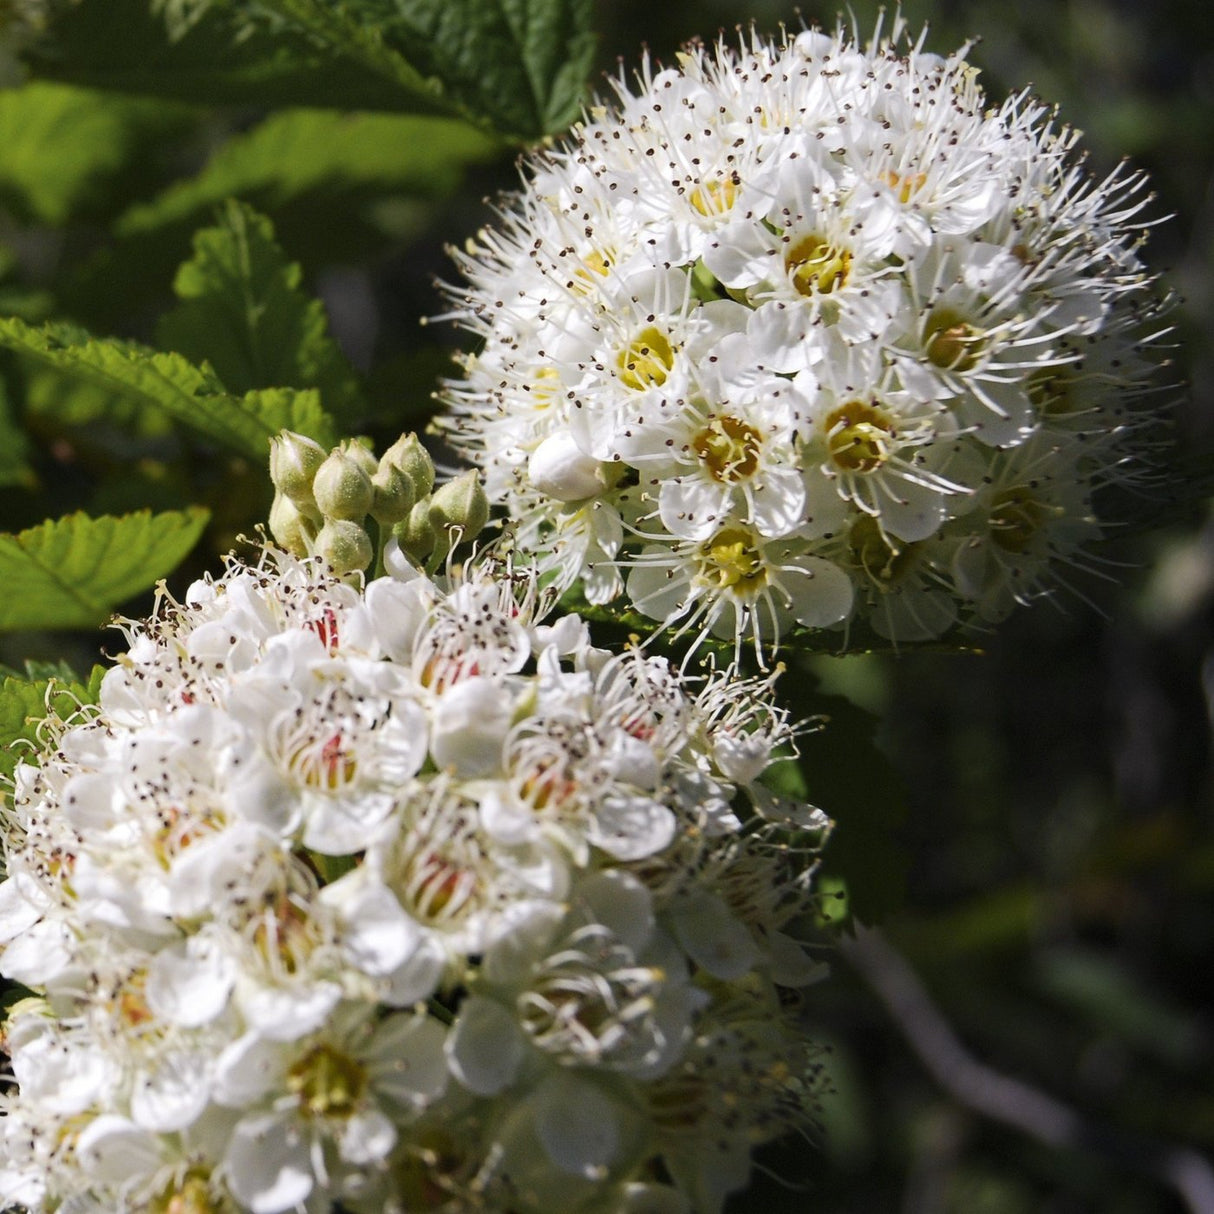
{"points": [[190, 395], [71, 572], [300, 152], [516, 65], [24, 703], [62, 147]]}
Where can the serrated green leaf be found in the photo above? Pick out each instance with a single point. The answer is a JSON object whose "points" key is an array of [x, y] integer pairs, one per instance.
{"points": [[192, 396], [523, 63], [242, 311], [513, 66], [318, 151], [24, 703], [297, 409], [519, 65], [71, 572], [61, 148]]}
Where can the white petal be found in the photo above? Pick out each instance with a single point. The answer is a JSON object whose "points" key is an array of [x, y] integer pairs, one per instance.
{"points": [[397, 610], [172, 1096], [366, 1138], [713, 938], [485, 1047], [631, 827], [247, 1070], [267, 1164], [377, 935], [577, 1125], [188, 983], [410, 1062], [470, 724], [820, 591], [286, 1013], [115, 1150], [618, 901]]}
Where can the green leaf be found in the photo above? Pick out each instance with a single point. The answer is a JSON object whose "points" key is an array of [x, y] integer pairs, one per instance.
{"points": [[518, 66], [225, 58], [24, 703], [513, 66], [242, 311], [57, 401], [190, 395], [71, 572], [302, 152], [62, 148], [290, 409]]}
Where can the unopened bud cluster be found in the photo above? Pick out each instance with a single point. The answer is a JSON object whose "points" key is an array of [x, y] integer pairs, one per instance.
{"points": [[324, 502]]}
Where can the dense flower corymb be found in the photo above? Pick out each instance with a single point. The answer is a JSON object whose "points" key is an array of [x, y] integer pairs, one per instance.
{"points": [[398, 898], [803, 333]]}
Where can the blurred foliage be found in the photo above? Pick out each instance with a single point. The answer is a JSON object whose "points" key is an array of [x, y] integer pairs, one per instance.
{"points": [[1051, 797]]}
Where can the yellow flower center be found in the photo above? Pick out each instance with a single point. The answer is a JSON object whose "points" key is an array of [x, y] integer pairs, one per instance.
{"points": [[191, 1196], [885, 565], [1016, 516], [544, 386], [859, 437], [905, 185], [327, 1082], [594, 264], [715, 197], [647, 360], [284, 935], [728, 448], [731, 561], [951, 342], [817, 267]]}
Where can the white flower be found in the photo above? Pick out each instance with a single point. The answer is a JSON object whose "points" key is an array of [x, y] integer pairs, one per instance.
{"points": [[334, 875], [779, 290]]}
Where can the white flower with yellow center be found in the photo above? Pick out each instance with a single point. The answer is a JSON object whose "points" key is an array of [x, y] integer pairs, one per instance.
{"points": [[671, 313]]}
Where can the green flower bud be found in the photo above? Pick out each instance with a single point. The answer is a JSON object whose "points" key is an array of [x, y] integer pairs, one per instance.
{"points": [[394, 495], [416, 535], [345, 545], [408, 454], [343, 486], [461, 504], [361, 454], [294, 462], [290, 527]]}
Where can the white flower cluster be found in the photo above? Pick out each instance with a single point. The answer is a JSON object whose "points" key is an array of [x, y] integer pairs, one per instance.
{"points": [[398, 899], [803, 333]]}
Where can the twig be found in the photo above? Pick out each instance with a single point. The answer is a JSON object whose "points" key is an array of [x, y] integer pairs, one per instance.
{"points": [[1010, 1101]]}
